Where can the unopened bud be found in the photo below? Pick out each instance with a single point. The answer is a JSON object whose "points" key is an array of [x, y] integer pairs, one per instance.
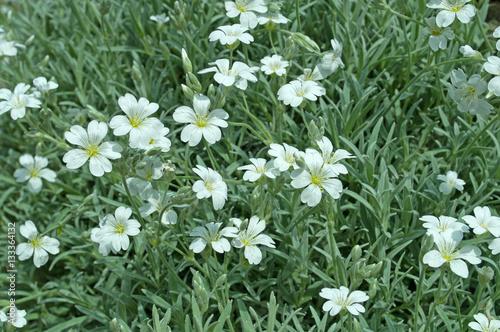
{"points": [[305, 42], [274, 7], [136, 72], [486, 274], [154, 151], [373, 289], [356, 253], [193, 83], [114, 326], [188, 67], [104, 7], [30, 40], [314, 133], [187, 92], [95, 114], [355, 325], [289, 49], [165, 50], [426, 245]]}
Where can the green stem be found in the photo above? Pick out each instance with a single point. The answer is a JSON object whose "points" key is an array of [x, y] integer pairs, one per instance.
{"points": [[196, 47], [417, 300], [304, 117], [482, 31], [241, 124], [130, 198], [434, 303], [215, 165], [271, 40], [253, 117], [458, 308]]}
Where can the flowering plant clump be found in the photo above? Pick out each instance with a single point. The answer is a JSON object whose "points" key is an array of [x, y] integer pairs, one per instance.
{"points": [[356, 143]]}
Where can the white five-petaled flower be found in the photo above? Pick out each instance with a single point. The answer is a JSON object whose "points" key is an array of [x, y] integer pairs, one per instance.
{"points": [[210, 185], [210, 234], [467, 93], [117, 229], [33, 172], [495, 246], [285, 155], [340, 299], [496, 34], [15, 318], [315, 75], [91, 148], [448, 252], [17, 101], [332, 60], [156, 203], [451, 9], [238, 74], [296, 91], [492, 67], [316, 178], [141, 184], [104, 246], [8, 48], [272, 19], [331, 158], [250, 237], [451, 181], [43, 86], [230, 34], [483, 221], [438, 36], [435, 225], [37, 245], [483, 324], [158, 140], [274, 65], [136, 121], [246, 10], [160, 19], [201, 122], [260, 167], [469, 52]]}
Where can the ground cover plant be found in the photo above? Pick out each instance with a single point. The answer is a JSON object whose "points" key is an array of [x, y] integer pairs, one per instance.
{"points": [[325, 165]]}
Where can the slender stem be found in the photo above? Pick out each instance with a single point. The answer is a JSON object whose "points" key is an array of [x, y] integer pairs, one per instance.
{"points": [[261, 209], [421, 278], [253, 117], [482, 31], [218, 276], [304, 117], [215, 165], [175, 274], [390, 10], [271, 40], [196, 47], [241, 124], [434, 303], [297, 15], [458, 308], [133, 203]]}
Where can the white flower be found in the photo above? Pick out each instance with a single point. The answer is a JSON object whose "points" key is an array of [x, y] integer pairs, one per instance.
{"points": [[452, 8], [229, 76], [91, 148], [136, 121], [492, 67], [285, 155], [451, 181], [210, 185], [17, 101], [295, 92], [211, 235], [437, 35], [8, 48], [496, 34], [104, 247], [250, 237], [33, 171], [158, 140], [117, 229], [37, 245], [330, 158], [274, 65], [245, 9], [230, 34], [202, 122], [332, 61], [467, 93], [272, 18], [160, 19], [483, 221], [259, 168], [313, 75], [435, 225], [495, 246], [340, 299], [315, 178], [469, 52], [447, 243], [43, 86], [484, 324], [156, 203], [153, 170], [16, 318], [3, 316]]}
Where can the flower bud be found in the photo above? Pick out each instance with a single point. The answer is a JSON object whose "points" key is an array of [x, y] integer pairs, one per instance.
{"points": [[186, 62], [30, 40], [314, 133], [165, 50], [210, 91], [486, 274], [355, 325], [95, 114], [289, 49], [114, 326], [187, 92], [136, 72], [426, 245], [373, 289], [193, 83], [104, 7], [356, 253], [305, 42], [274, 7]]}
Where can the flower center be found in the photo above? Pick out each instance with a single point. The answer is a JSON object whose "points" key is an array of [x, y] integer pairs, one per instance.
{"points": [[241, 5], [151, 141], [289, 159], [136, 121], [262, 169], [209, 186], [275, 67], [436, 32], [450, 184], [343, 302], [36, 242], [442, 227], [119, 228], [201, 121], [92, 150], [33, 173], [468, 92], [301, 93], [17, 103], [317, 179]]}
